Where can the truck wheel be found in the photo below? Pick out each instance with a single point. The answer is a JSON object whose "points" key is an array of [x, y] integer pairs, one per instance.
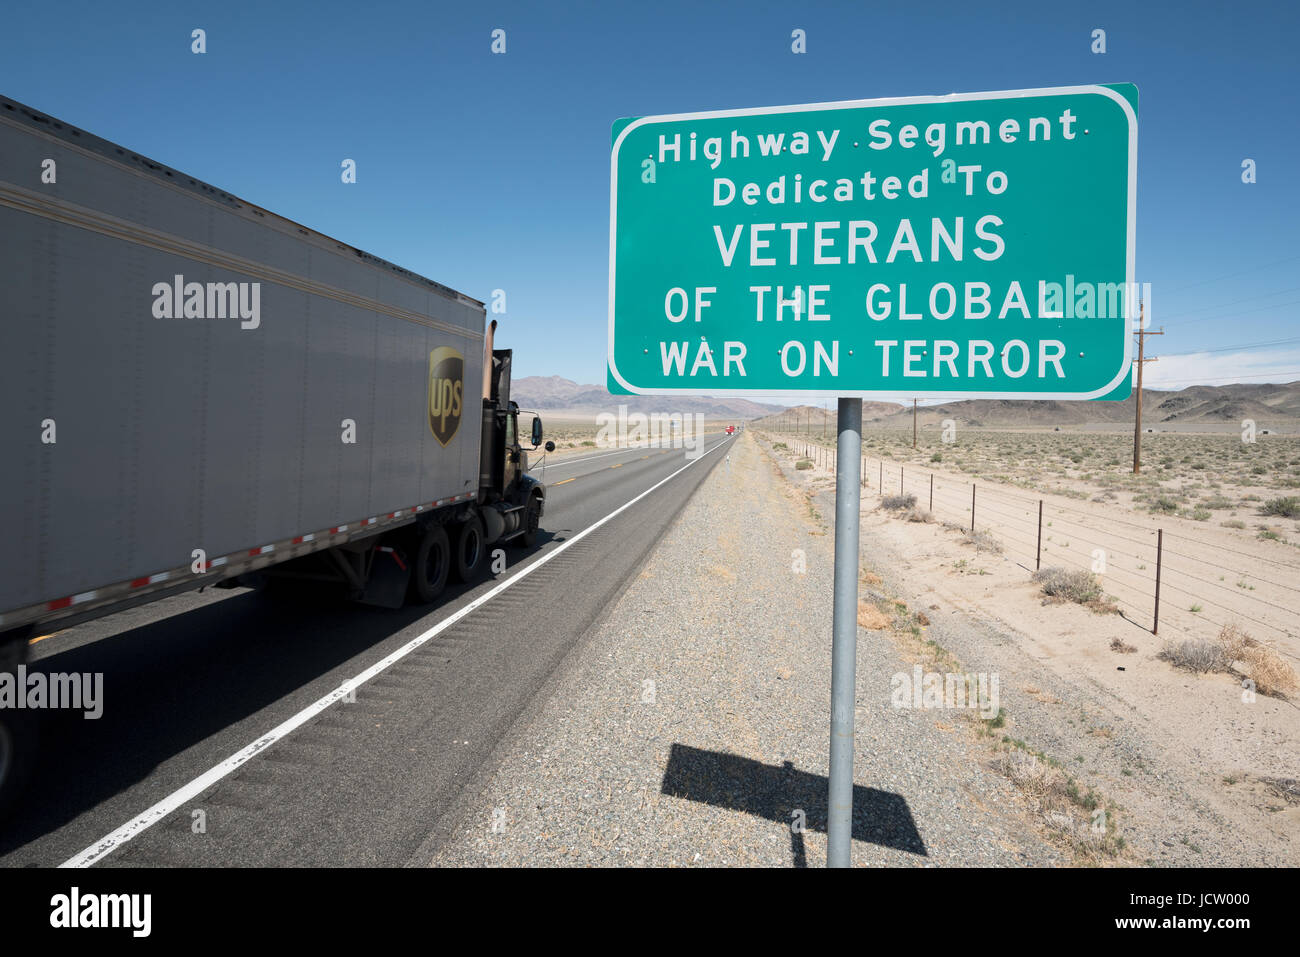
{"points": [[432, 562], [532, 520], [17, 749], [467, 556]]}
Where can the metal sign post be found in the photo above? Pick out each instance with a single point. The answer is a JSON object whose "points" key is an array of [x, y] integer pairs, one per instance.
{"points": [[844, 635]]}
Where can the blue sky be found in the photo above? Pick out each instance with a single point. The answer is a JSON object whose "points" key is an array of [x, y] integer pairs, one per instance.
{"points": [[491, 171]]}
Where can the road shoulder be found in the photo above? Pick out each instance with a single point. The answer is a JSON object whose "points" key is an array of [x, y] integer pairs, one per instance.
{"points": [[693, 729]]}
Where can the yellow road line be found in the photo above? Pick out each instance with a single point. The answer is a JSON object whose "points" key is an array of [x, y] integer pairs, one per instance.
{"points": [[565, 482], [42, 638]]}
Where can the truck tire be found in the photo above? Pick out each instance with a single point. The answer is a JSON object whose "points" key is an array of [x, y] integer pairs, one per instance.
{"points": [[432, 562], [468, 550], [532, 520]]}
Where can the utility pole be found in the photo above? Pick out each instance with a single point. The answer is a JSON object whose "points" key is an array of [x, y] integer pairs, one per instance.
{"points": [[913, 424], [1142, 360]]}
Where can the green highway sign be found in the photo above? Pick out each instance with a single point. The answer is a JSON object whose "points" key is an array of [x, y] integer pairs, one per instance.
{"points": [[973, 245]]}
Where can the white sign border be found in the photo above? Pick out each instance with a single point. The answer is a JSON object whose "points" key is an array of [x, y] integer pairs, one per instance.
{"points": [[699, 388]]}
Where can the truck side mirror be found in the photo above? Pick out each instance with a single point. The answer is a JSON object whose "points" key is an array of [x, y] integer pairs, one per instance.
{"points": [[537, 431], [550, 446]]}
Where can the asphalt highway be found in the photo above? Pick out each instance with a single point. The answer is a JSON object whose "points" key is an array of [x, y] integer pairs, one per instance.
{"points": [[376, 778]]}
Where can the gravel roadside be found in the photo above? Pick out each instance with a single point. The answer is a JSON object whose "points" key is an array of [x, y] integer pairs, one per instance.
{"points": [[692, 725]]}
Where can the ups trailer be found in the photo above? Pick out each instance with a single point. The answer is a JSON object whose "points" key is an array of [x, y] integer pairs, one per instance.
{"points": [[199, 392]]}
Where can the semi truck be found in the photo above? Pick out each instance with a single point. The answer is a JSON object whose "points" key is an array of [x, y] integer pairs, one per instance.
{"points": [[198, 392]]}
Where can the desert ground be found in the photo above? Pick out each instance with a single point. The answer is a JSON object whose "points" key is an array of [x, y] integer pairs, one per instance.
{"points": [[1229, 512], [1213, 693]]}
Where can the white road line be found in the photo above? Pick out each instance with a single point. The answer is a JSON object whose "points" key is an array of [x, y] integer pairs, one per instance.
{"points": [[133, 828]]}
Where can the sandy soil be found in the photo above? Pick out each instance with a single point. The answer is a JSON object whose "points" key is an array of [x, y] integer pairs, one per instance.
{"points": [[1208, 770], [1211, 574]]}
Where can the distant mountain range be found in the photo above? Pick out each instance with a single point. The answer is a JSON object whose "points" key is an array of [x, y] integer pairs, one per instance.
{"points": [[1199, 404], [564, 398], [1207, 404]]}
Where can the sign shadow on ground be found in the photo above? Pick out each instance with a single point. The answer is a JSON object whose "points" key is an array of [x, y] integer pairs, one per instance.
{"points": [[779, 793]]}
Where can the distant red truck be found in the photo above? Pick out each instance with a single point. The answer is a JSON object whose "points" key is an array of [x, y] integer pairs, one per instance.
{"points": [[731, 430]]}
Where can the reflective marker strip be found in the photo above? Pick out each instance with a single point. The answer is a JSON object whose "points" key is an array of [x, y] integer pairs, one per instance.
{"points": [[71, 600], [151, 579], [109, 592]]}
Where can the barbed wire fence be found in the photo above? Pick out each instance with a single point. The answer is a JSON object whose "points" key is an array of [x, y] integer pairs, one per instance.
{"points": [[1148, 571]]}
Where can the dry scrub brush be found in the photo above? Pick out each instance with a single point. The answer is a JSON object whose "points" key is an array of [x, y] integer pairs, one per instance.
{"points": [[1260, 663], [1234, 649], [1076, 585], [1060, 799]]}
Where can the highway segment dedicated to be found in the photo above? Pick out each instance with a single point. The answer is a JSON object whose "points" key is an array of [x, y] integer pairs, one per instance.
{"points": [[975, 245]]}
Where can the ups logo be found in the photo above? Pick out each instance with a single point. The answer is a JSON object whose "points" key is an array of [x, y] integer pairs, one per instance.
{"points": [[446, 387]]}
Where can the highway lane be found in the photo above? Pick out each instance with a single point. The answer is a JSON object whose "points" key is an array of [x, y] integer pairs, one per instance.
{"points": [[192, 680], [557, 470]]}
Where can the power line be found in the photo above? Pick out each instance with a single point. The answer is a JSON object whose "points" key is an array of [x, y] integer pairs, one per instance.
{"points": [[1242, 312], [1241, 272], [1244, 345], [1225, 305]]}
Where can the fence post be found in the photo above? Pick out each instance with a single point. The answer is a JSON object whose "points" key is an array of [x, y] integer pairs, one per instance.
{"points": [[1038, 561], [1160, 543], [972, 506], [900, 480], [882, 476], [932, 491]]}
